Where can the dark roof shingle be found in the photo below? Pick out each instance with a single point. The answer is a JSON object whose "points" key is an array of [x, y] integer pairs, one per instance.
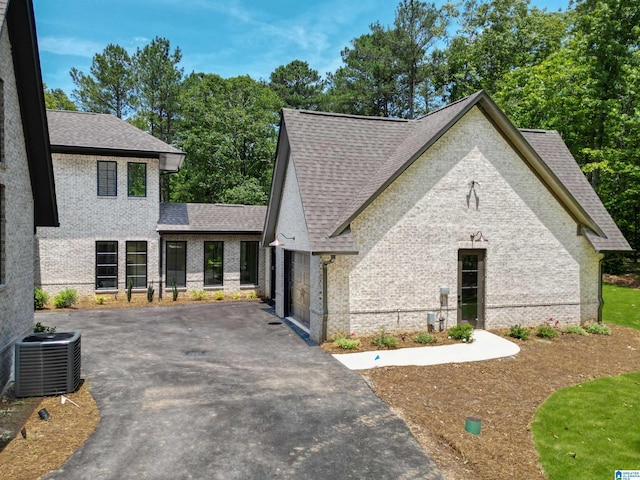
{"points": [[211, 218]]}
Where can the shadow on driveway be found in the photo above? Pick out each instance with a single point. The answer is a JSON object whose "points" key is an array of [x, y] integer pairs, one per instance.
{"points": [[214, 391]]}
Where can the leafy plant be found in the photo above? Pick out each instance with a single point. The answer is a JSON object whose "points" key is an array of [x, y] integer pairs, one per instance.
{"points": [[236, 296], [129, 288], [40, 328], [462, 333], [545, 331], [198, 294], [576, 330], [423, 337], [40, 298], [150, 292], [252, 295], [174, 290], [347, 343], [383, 339], [66, 298], [597, 328], [100, 299], [518, 331], [219, 295]]}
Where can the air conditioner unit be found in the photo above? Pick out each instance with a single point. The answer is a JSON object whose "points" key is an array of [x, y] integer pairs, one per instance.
{"points": [[47, 364]]}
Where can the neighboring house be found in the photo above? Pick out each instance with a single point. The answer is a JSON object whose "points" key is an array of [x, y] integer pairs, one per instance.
{"points": [[27, 193], [113, 222], [377, 222]]}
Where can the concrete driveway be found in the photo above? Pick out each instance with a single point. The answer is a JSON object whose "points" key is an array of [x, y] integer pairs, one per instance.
{"points": [[214, 391]]}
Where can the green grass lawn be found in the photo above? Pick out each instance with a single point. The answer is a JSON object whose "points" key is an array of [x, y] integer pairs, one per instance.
{"points": [[590, 430], [621, 306]]}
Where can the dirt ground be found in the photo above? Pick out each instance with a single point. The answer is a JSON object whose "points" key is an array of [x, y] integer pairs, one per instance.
{"points": [[433, 400]]}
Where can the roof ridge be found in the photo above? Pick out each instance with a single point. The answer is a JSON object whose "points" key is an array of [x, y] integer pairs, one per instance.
{"points": [[349, 115]]}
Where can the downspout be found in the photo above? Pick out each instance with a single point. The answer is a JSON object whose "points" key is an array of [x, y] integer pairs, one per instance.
{"points": [[325, 307], [160, 269], [600, 298]]}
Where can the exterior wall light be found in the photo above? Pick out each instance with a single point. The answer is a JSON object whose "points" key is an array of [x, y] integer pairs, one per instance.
{"points": [[278, 243], [477, 237]]}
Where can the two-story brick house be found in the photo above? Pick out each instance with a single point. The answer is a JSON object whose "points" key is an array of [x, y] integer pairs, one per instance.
{"points": [[27, 192], [115, 229]]}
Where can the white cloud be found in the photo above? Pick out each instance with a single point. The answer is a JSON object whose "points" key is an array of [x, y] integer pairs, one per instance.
{"points": [[69, 46]]}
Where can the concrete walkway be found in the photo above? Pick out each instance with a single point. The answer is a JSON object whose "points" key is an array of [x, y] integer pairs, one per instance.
{"points": [[485, 346], [227, 391]]}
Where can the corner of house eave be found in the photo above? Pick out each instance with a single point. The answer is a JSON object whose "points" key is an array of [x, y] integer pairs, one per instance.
{"points": [[282, 154]]}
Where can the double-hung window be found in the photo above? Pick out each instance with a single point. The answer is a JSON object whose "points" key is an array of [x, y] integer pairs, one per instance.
{"points": [[177, 264], [248, 263], [106, 265], [213, 263], [137, 179], [107, 178], [137, 264]]}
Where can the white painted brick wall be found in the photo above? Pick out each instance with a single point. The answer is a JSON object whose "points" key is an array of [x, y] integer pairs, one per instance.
{"points": [[16, 294], [536, 266], [231, 263], [66, 254]]}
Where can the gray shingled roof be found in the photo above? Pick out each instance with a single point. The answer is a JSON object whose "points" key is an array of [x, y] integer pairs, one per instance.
{"points": [[211, 218], [100, 132], [343, 162]]}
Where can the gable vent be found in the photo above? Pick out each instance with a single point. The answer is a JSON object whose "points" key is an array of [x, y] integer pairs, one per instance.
{"points": [[47, 364]]}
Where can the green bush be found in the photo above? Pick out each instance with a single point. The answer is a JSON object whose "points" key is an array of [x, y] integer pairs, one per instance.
{"points": [[347, 343], [545, 331], [252, 295], [40, 298], [385, 340], [518, 331], [236, 296], [100, 299], [462, 333], [576, 330], [66, 298], [40, 328], [597, 328], [150, 292], [129, 288], [219, 295], [198, 294], [174, 291], [423, 337]]}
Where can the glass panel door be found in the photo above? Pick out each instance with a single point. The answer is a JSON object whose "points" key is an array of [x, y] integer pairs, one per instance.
{"points": [[471, 287]]}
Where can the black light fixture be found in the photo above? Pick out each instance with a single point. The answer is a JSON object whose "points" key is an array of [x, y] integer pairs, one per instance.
{"points": [[278, 243], [43, 414]]}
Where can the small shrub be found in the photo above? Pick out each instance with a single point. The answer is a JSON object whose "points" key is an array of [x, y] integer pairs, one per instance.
{"points": [[385, 340], [99, 299], [252, 295], [150, 292], [198, 294], [597, 328], [423, 337], [129, 288], [174, 290], [576, 330], [518, 331], [545, 331], [66, 298], [40, 298], [347, 343], [236, 296], [40, 328], [219, 295], [462, 333]]}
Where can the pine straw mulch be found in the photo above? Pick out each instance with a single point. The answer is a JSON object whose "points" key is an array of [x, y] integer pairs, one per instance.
{"points": [[44, 445], [504, 393]]}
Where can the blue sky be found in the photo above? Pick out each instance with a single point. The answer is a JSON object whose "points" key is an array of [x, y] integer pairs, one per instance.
{"points": [[227, 37]]}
